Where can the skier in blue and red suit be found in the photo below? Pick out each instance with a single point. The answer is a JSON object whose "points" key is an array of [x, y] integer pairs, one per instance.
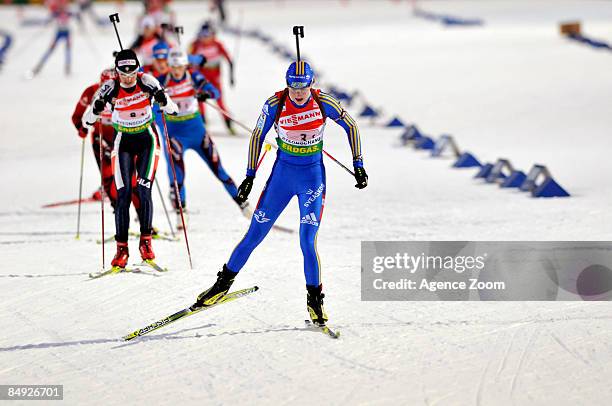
{"points": [[298, 115], [186, 129]]}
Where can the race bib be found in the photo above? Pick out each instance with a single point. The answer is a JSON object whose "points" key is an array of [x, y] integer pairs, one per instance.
{"points": [[187, 105], [302, 137], [132, 120], [301, 142]]}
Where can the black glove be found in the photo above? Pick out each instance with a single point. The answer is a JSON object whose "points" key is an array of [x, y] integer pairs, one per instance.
{"points": [[204, 96], [244, 189], [160, 97], [98, 107], [361, 177]]}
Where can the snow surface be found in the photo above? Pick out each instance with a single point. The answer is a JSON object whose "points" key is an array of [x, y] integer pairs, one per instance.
{"points": [[512, 88]]}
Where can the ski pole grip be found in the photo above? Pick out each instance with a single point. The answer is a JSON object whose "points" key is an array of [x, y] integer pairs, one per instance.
{"points": [[178, 31], [298, 30], [114, 18]]}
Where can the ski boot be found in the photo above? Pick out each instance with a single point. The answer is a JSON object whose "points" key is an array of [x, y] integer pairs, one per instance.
{"points": [[121, 257], [146, 249], [314, 303], [225, 278]]}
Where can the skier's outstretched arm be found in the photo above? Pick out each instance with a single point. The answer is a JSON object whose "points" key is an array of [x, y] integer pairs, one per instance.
{"points": [[334, 110]]}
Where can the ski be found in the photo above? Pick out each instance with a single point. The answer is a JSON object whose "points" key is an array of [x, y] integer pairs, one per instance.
{"points": [[112, 271], [106, 240], [70, 202], [149, 263], [188, 312], [153, 265], [323, 329], [161, 236]]}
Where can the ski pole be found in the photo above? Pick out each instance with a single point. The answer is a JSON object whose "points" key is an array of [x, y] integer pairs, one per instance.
{"points": [[176, 189], [102, 194], [114, 18], [269, 143], [267, 148], [339, 163], [78, 235], [161, 197]]}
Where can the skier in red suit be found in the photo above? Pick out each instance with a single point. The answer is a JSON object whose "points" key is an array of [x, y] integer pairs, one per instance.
{"points": [[212, 49]]}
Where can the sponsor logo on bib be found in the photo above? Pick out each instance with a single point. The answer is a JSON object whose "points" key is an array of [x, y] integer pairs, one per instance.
{"points": [[300, 118]]}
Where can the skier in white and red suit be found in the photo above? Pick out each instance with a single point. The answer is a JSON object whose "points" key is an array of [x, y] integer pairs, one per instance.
{"points": [[103, 131], [136, 146]]}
